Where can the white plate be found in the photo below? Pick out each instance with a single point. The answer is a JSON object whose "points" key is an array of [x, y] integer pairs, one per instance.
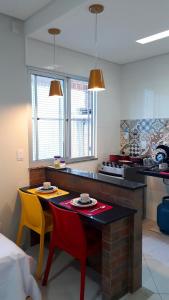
{"points": [[46, 191], [75, 202]]}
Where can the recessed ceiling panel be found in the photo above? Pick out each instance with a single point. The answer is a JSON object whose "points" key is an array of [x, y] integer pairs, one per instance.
{"points": [[119, 26]]}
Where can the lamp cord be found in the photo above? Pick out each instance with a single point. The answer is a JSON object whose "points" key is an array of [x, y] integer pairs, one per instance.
{"points": [[96, 41], [54, 52]]}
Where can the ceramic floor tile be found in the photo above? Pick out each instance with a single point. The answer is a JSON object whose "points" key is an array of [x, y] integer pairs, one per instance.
{"points": [[155, 297], [164, 296], [142, 294], [66, 286], [156, 246], [160, 274], [147, 280], [64, 279], [153, 241]]}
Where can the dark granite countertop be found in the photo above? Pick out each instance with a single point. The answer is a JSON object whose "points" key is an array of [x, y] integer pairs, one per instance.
{"points": [[116, 213], [123, 183], [155, 172]]}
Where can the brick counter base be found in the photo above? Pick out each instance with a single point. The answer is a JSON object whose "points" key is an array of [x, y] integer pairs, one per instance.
{"points": [[122, 240], [37, 176], [116, 262]]}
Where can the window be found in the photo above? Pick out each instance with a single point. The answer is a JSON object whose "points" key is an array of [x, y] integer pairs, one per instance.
{"points": [[62, 126], [81, 119]]}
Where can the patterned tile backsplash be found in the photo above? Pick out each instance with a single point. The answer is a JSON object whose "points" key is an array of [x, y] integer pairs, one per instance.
{"points": [[141, 137]]}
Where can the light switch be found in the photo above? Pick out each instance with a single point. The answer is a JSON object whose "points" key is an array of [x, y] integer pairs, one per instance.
{"points": [[19, 154]]}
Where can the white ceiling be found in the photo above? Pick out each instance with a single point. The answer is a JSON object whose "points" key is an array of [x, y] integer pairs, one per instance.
{"points": [[21, 9], [119, 26]]}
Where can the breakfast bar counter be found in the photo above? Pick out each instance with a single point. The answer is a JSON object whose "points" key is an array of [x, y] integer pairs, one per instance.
{"points": [[121, 227], [155, 172], [127, 184]]}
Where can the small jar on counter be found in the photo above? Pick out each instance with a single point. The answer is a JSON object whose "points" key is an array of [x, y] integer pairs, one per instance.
{"points": [[62, 164], [57, 161]]}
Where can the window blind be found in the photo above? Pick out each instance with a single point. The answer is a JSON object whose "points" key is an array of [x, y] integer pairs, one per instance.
{"points": [[62, 126], [48, 121], [81, 111]]}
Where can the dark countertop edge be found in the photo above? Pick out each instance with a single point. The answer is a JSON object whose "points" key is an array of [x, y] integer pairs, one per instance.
{"points": [[125, 211], [117, 218], [137, 184], [154, 173]]}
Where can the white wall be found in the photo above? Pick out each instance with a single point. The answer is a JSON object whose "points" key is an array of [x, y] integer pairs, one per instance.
{"points": [[13, 123], [143, 84], [15, 104], [39, 54], [145, 89], [145, 94]]}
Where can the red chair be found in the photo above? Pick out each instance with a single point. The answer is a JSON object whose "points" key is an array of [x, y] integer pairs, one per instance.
{"points": [[69, 235]]}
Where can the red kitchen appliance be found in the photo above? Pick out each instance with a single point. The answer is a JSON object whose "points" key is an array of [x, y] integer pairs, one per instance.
{"points": [[125, 159], [114, 158]]}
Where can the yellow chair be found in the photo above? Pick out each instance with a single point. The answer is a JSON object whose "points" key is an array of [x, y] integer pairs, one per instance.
{"points": [[33, 217]]}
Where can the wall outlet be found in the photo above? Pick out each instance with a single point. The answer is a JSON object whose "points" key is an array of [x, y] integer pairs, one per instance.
{"points": [[20, 154]]}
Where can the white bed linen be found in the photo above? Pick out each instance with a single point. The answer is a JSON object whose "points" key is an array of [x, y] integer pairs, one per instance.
{"points": [[16, 280]]}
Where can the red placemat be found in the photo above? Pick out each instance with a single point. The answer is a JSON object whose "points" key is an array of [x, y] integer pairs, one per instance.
{"points": [[89, 211], [164, 173]]}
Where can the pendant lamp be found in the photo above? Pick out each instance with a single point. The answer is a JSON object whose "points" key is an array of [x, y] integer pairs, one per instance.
{"points": [[96, 80], [55, 86]]}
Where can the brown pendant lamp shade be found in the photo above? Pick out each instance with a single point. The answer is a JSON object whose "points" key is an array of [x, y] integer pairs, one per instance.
{"points": [[96, 80], [55, 86], [55, 89]]}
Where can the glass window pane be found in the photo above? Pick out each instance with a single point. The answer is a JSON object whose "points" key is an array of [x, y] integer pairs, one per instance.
{"points": [[34, 139], [48, 120], [81, 111], [48, 107], [80, 142], [50, 138]]}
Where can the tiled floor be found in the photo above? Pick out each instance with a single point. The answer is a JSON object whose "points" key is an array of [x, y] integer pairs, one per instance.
{"points": [[155, 261], [64, 280]]}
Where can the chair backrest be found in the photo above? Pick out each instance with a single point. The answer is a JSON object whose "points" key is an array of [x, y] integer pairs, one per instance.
{"points": [[32, 212], [68, 232]]}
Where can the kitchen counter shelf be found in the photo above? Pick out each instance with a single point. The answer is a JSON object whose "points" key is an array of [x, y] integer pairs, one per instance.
{"points": [[126, 184], [155, 172], [121, 227]]}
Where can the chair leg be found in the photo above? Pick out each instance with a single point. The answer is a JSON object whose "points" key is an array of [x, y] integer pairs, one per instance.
{"points": [[83, 276], [40, 258], [48, 265], [19, 234]]}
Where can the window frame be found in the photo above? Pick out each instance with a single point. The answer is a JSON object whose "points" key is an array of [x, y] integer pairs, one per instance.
{"points": [[67, 117]]}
